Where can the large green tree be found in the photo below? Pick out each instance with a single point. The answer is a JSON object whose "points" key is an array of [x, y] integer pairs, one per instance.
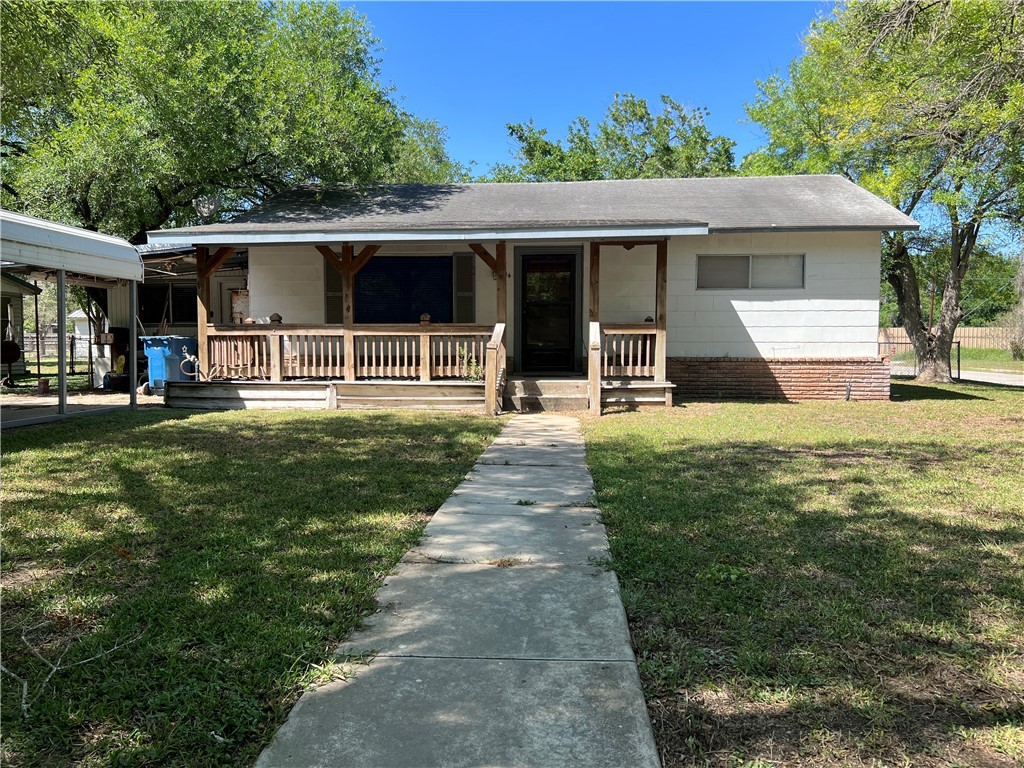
{"points": [[631, 142], [923, 104], [117, 116]]}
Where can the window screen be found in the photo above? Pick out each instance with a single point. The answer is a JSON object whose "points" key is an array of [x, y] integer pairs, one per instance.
{"points": [[184, 305], [777, 271], [398, 289], [723, 272], [334, 295], [464, 265], [153, 306], [727, 272]]}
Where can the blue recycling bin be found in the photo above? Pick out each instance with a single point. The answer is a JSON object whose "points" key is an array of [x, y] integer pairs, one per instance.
{"points": [[165, 354]]}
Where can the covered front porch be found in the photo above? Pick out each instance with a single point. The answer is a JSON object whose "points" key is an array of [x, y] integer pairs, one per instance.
{"points": [[275, 363]]}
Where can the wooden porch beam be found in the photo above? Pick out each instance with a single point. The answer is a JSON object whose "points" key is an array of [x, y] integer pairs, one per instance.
{"points": [[332, 258], [484, 255], [629, 244], [595, 281], [216, 261], [364, 256], [499, 268]]}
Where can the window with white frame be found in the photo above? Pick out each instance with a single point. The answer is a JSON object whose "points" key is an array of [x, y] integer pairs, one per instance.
{"points": [[722, 272]]}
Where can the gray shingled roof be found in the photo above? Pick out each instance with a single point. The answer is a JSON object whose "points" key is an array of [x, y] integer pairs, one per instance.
{"points": [[721, 204]]}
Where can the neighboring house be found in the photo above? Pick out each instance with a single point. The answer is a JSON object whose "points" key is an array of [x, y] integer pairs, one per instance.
{"points": [[80, 324], [13, 291], [734, 287]]}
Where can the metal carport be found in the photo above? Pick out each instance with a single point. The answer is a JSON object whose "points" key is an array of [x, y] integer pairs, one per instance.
{"points": [[72, 253]]}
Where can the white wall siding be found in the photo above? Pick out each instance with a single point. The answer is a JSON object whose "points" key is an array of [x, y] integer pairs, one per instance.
{"points": [[834, 315], [288, 280]]}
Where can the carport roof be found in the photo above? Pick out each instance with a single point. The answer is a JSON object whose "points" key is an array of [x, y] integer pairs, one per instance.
{"points": [[49, 245]]}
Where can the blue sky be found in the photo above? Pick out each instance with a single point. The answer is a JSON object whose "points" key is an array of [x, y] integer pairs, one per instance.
{"points": [[475, 66]]}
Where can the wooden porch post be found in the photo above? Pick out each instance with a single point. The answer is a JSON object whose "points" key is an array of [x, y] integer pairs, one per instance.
{"points": [[348, 289], [202, 308], [502, 287], [595, 281], [499, 267], [661, 313], [348, 264], [206, 266]]}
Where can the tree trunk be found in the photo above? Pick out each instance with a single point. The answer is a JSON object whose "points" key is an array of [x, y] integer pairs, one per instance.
{"points": [[932, 345], [902, 276]]}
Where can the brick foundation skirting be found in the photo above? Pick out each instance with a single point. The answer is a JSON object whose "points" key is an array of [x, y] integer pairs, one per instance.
{"points": [[822, 378]]}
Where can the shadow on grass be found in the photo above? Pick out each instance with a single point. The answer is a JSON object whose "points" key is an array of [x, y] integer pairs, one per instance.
{"points": [[908, 392], [815, 604], [230, 551]]}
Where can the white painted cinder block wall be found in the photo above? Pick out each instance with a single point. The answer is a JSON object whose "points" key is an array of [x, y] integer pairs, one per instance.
{"points": [[834, 315], [288, 280]]}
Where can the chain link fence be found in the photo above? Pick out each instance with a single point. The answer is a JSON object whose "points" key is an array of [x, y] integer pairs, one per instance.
{"points": [[905, 361]]}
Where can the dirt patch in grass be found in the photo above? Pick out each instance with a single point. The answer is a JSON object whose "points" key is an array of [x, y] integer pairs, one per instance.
{"points": [[824, 583]]}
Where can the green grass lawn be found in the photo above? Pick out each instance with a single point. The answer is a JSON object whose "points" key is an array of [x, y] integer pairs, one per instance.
{"points": [[188, 574], [832, 583], [988, 360], [26, 382]]}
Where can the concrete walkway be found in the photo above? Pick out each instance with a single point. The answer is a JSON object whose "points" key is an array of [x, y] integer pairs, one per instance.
{"points": [[1006, 378], [498, 642]]}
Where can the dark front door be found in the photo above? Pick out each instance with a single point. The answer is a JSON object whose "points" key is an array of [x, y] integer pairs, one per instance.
{"points": [[548, 291]]}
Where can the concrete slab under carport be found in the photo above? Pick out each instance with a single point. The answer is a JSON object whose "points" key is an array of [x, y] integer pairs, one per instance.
{"points": [[484, 611], [443, 713]]}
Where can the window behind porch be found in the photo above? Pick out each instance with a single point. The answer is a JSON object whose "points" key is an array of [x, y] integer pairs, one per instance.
{"points": [[399, 289]]}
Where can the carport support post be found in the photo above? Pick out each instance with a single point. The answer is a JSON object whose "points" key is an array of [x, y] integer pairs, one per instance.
{"points": [[133, 344], [62, 349]]}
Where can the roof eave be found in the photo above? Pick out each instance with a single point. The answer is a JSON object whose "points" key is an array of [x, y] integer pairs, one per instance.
{"points": [[242, 237], [830, 228]]}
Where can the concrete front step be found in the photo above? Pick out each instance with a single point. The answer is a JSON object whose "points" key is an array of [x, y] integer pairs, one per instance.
{"points": [[521, 385], [535, 395]]}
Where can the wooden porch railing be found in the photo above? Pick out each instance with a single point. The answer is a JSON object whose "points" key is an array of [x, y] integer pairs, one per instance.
{"points": [[494, 371], [633, 350], [628, 350], [423, 353]]}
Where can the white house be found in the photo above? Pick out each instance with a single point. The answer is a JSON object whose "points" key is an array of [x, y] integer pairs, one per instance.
{"points": [[736, 287]]}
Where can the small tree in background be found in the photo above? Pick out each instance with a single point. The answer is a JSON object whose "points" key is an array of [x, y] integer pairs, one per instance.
{"points": [[631, 142]]}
